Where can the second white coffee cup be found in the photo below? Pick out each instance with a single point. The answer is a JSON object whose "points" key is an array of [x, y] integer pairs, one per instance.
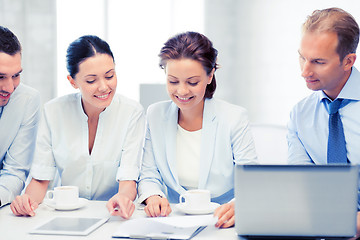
{"points": [[64, 195], [196, 198]]}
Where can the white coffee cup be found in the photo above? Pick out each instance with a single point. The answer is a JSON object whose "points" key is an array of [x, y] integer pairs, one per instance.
{"points": [[64, 195], [196, 198]]}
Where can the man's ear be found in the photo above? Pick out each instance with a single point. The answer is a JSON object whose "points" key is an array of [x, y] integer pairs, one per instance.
{"points": [[72, 82], [349, 61]]}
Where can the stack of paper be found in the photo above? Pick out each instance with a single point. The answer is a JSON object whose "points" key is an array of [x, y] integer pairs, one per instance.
{"points": [[182, 227]]}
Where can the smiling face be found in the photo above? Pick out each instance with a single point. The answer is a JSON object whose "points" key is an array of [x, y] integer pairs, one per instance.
{"points": [[186, 83], [10, 69], [96, 81], [320, 63]]}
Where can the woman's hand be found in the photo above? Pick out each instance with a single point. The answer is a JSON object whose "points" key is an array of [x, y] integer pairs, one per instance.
{"points": [[24, 205], [226, 215], [121, 205], [157, 206]]}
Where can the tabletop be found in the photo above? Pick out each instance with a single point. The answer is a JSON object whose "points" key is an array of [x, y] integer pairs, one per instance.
{"points": [[13, 227]]}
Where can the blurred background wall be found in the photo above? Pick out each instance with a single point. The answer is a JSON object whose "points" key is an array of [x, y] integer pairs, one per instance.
{"points": [[257, 41], [34, 23]]}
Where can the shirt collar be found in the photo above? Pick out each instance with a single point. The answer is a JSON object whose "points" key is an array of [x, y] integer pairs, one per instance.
{"points": [[351, 89], [81, 109]]}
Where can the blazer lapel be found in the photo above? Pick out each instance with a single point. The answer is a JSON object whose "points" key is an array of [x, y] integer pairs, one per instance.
{"points": [[170, 131], [208, 138]]}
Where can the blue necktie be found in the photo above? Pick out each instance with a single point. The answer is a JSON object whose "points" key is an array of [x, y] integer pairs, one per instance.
{"points": [[336, 152]]}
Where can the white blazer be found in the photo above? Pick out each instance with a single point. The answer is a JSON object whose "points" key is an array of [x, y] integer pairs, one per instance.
{"points": [[225, 139]]}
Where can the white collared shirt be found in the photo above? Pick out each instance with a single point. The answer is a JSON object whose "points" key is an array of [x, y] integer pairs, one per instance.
{"points": [[62, 145]]}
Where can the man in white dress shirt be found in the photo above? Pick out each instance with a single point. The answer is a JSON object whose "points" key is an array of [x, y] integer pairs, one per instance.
{"points": [[19, 114]]}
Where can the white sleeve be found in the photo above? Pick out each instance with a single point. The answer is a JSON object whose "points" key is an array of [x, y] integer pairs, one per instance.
{"points": [[132, 149], [43, 167]]}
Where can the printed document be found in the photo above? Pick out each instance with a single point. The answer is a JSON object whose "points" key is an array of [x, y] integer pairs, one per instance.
{"points": [[179, 227]]}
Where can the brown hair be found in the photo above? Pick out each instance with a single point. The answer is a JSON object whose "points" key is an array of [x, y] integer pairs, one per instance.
{"points": [[337, 21], [195, 46]]}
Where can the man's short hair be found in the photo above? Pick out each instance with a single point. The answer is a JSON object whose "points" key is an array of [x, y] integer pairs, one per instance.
{"points": [[9, 43], [337, 21]]}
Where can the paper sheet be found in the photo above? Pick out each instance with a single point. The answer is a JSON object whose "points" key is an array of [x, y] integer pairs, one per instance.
{"points": [[180, 227]]}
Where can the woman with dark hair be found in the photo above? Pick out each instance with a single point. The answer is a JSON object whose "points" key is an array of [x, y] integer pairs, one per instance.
{"points": [[93, 138], [192, 141]]}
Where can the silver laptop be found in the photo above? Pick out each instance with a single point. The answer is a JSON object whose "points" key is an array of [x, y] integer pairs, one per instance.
{"points": [[296, 200]]}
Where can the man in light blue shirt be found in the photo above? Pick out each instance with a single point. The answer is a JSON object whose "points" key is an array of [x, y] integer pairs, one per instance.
{"points": [[327, 54], [19, 115]]}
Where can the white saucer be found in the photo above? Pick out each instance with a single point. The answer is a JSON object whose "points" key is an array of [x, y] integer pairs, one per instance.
{"points": [[51, 203], [206, 210]]}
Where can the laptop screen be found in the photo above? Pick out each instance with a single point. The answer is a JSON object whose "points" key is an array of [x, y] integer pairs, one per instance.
{"points": [[296, 200]]}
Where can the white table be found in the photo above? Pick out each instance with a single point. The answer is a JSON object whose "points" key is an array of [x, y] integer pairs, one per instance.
{"points": [[17, 228]]}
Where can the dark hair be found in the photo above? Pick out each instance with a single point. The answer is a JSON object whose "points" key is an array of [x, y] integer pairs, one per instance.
{"points": [[195, 46], [337, 21], [9, 43], [83, 48]]}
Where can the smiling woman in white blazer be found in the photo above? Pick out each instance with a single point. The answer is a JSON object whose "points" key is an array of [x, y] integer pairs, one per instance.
{"points": [[192, 141]]}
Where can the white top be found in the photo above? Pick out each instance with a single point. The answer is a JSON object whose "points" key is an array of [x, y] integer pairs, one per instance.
{"points": [[62, 145], [188, 145], [18, 127]]}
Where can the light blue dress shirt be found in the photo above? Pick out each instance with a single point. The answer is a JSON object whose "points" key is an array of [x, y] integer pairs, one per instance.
{"points": [[63, 145], [18, 128], [308, 128], [225, 140]]}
